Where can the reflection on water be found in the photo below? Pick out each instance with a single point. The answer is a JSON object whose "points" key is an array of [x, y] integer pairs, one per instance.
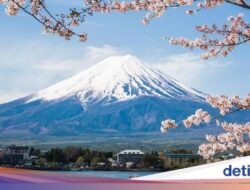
{"points": [[109, 174]]}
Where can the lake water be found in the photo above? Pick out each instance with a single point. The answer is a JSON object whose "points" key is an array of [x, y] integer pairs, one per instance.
{"points": [[109, 174]]}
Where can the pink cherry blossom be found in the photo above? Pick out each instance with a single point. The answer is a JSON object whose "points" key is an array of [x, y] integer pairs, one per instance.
{"points": [[235, 33], [235, 137], [229, 36], [168, 124], [196, 119]]}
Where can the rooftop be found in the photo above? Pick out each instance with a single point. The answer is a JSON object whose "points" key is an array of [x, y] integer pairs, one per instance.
{"points": [[131, 152], [17, 147], [172, 155]]}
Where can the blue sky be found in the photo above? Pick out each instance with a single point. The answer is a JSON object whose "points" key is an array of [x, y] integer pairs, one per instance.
{"points": [[31, 61]]}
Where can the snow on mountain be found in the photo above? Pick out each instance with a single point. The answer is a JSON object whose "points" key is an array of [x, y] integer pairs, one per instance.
{"points": [[115, 79], [120, 95]]}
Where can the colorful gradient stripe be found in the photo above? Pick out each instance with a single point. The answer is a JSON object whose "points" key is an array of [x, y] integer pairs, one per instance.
{"points": [[22, 179], [33, 176]]}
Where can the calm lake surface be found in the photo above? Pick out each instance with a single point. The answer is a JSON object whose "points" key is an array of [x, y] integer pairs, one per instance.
{"points": [[108, 174]]}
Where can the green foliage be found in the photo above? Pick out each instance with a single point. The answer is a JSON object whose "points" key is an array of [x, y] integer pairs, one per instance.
{"points": [[56, 155], [41, 162], [152, 160], [80, 161], [181, 151], [94, 161], [35, 152], [76, 155]]}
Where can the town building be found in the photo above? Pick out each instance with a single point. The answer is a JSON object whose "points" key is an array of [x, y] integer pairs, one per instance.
{"points": [[14, 154], [182, 160], [135, 156], [20, 150], [1, 152]]}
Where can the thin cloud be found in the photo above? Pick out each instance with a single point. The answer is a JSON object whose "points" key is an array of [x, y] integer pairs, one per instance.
{"points": [[191, 70], [26, 73], [89, 56]]}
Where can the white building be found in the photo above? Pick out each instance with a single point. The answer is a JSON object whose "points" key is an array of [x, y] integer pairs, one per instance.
{"points": [[18, 150], [135, 156], [14, 154]]}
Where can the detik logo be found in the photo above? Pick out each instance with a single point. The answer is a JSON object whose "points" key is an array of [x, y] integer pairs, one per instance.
{"points": [[235, 171]]}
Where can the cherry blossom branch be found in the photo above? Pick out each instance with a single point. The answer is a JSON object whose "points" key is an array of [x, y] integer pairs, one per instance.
{"points": [[240, 3], [82, 37], [51, 24], [245, 5], [233, 138], [223, 103], [229, 113], [235, 33], [154, 8]]}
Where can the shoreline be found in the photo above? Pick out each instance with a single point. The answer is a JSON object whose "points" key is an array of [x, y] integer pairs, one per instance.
{"points": [[91, 169]]}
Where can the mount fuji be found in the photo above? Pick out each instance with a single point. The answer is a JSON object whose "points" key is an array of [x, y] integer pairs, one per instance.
{"points": [[117, 79], [118, 96]]}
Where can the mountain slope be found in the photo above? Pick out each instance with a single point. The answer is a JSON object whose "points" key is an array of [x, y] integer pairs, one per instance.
{"points": [[120, 95], [116, 79]]}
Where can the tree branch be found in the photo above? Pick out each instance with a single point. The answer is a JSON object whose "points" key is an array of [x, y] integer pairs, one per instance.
{"points": [[40, 20], [243, 5]]}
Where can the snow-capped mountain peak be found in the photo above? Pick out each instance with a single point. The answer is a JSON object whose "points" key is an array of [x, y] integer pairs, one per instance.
{"points": [[120, 96], [117, 78]]}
